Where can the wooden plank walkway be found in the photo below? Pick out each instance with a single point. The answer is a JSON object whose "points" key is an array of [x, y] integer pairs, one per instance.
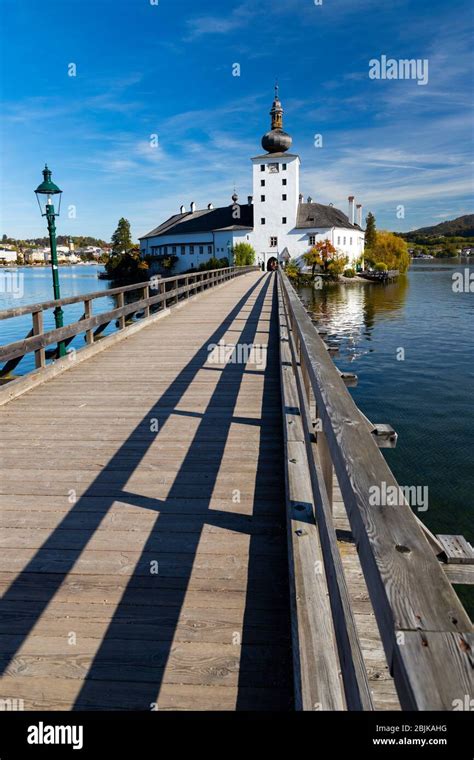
{"points": [[382, 687], [143, 562]]}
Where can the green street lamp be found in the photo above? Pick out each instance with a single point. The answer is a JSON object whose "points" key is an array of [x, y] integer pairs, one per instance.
{"points": [[44, 195]]}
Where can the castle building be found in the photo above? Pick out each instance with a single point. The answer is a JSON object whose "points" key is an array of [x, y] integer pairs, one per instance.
{"points": [[275, 220]]}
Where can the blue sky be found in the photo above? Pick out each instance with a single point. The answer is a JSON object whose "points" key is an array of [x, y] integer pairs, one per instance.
{"points": [[166, 69]]}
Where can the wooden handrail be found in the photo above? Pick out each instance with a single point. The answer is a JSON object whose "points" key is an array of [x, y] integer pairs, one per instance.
{"points": [[426, 633], [37, 339], [18, 311]]}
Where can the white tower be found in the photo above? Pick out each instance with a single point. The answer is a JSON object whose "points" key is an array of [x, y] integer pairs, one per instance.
{"points": [[275, 188]]}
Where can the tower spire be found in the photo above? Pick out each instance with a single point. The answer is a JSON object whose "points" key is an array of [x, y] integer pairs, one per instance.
{"points": [[277, 110], [276, 141]]}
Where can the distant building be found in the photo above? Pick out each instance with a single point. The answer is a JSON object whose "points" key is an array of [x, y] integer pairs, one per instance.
{"points": [[90, 250], [36, 256], [275, 220], [7, 256]]}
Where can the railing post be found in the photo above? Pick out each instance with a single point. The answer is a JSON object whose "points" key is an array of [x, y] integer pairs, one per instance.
{"points": [[120, 304], [146, 294], [88, 315], [308, 390], [163, 291], [326, 465], [40, 354], [186, 284]]}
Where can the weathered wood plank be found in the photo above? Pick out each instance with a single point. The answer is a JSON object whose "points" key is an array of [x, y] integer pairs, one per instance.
{"points": [[356, 689], [215, 615], [423, 654], [457, 550], [316, 666], [408, 589]]}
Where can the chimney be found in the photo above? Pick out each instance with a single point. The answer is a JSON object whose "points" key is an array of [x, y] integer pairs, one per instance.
{"points": [[182, 210], [193, 207], [351, 209], [250, 199], [210, 206], [359, 214]]}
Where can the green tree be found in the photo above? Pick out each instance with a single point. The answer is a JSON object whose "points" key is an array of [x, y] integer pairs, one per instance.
{"points": [[391, 250], [370, 231], [244, 254], [122, 238], [127, 266]]}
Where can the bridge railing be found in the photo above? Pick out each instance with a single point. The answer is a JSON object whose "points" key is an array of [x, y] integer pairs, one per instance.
{"points": [[169, 291], [426, 633]]}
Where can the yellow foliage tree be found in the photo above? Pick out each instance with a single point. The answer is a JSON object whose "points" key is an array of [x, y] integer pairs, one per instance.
{"points": [[391, 250]]}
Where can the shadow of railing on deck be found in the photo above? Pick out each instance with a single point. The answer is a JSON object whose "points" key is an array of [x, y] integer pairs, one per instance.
{"points": [[137, 673]]}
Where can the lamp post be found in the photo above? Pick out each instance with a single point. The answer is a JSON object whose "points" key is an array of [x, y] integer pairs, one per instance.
{"points": [[44, 195]]}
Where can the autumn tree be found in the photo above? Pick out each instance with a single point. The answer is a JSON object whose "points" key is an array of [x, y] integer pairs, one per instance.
{"points": [[391, 250], [321, 254]]}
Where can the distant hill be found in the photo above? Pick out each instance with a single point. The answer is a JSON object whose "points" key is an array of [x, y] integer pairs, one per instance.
{"points": [[463, 226]]}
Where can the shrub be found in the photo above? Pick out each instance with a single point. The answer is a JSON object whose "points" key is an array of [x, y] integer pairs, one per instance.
{"points": [[336, 266], [293, 270], [380, 267], [349, 273]]}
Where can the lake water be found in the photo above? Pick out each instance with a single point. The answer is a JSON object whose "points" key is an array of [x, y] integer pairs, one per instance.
{"points": [[428, 396], [426, 391], [34, 285]]}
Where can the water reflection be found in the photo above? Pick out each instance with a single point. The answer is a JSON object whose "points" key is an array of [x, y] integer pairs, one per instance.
{"points": [[428, 396], [350, 311]]}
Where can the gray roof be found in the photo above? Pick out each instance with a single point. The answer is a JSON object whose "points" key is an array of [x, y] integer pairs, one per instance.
{"points": [[317, 215], [205, 220], [310, 216]]}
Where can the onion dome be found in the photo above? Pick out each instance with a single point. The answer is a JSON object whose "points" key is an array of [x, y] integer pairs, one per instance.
{"points": [[277, 140]]}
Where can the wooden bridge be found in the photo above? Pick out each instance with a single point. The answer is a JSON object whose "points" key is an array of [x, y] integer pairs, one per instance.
{"points": [[186, 520]]}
